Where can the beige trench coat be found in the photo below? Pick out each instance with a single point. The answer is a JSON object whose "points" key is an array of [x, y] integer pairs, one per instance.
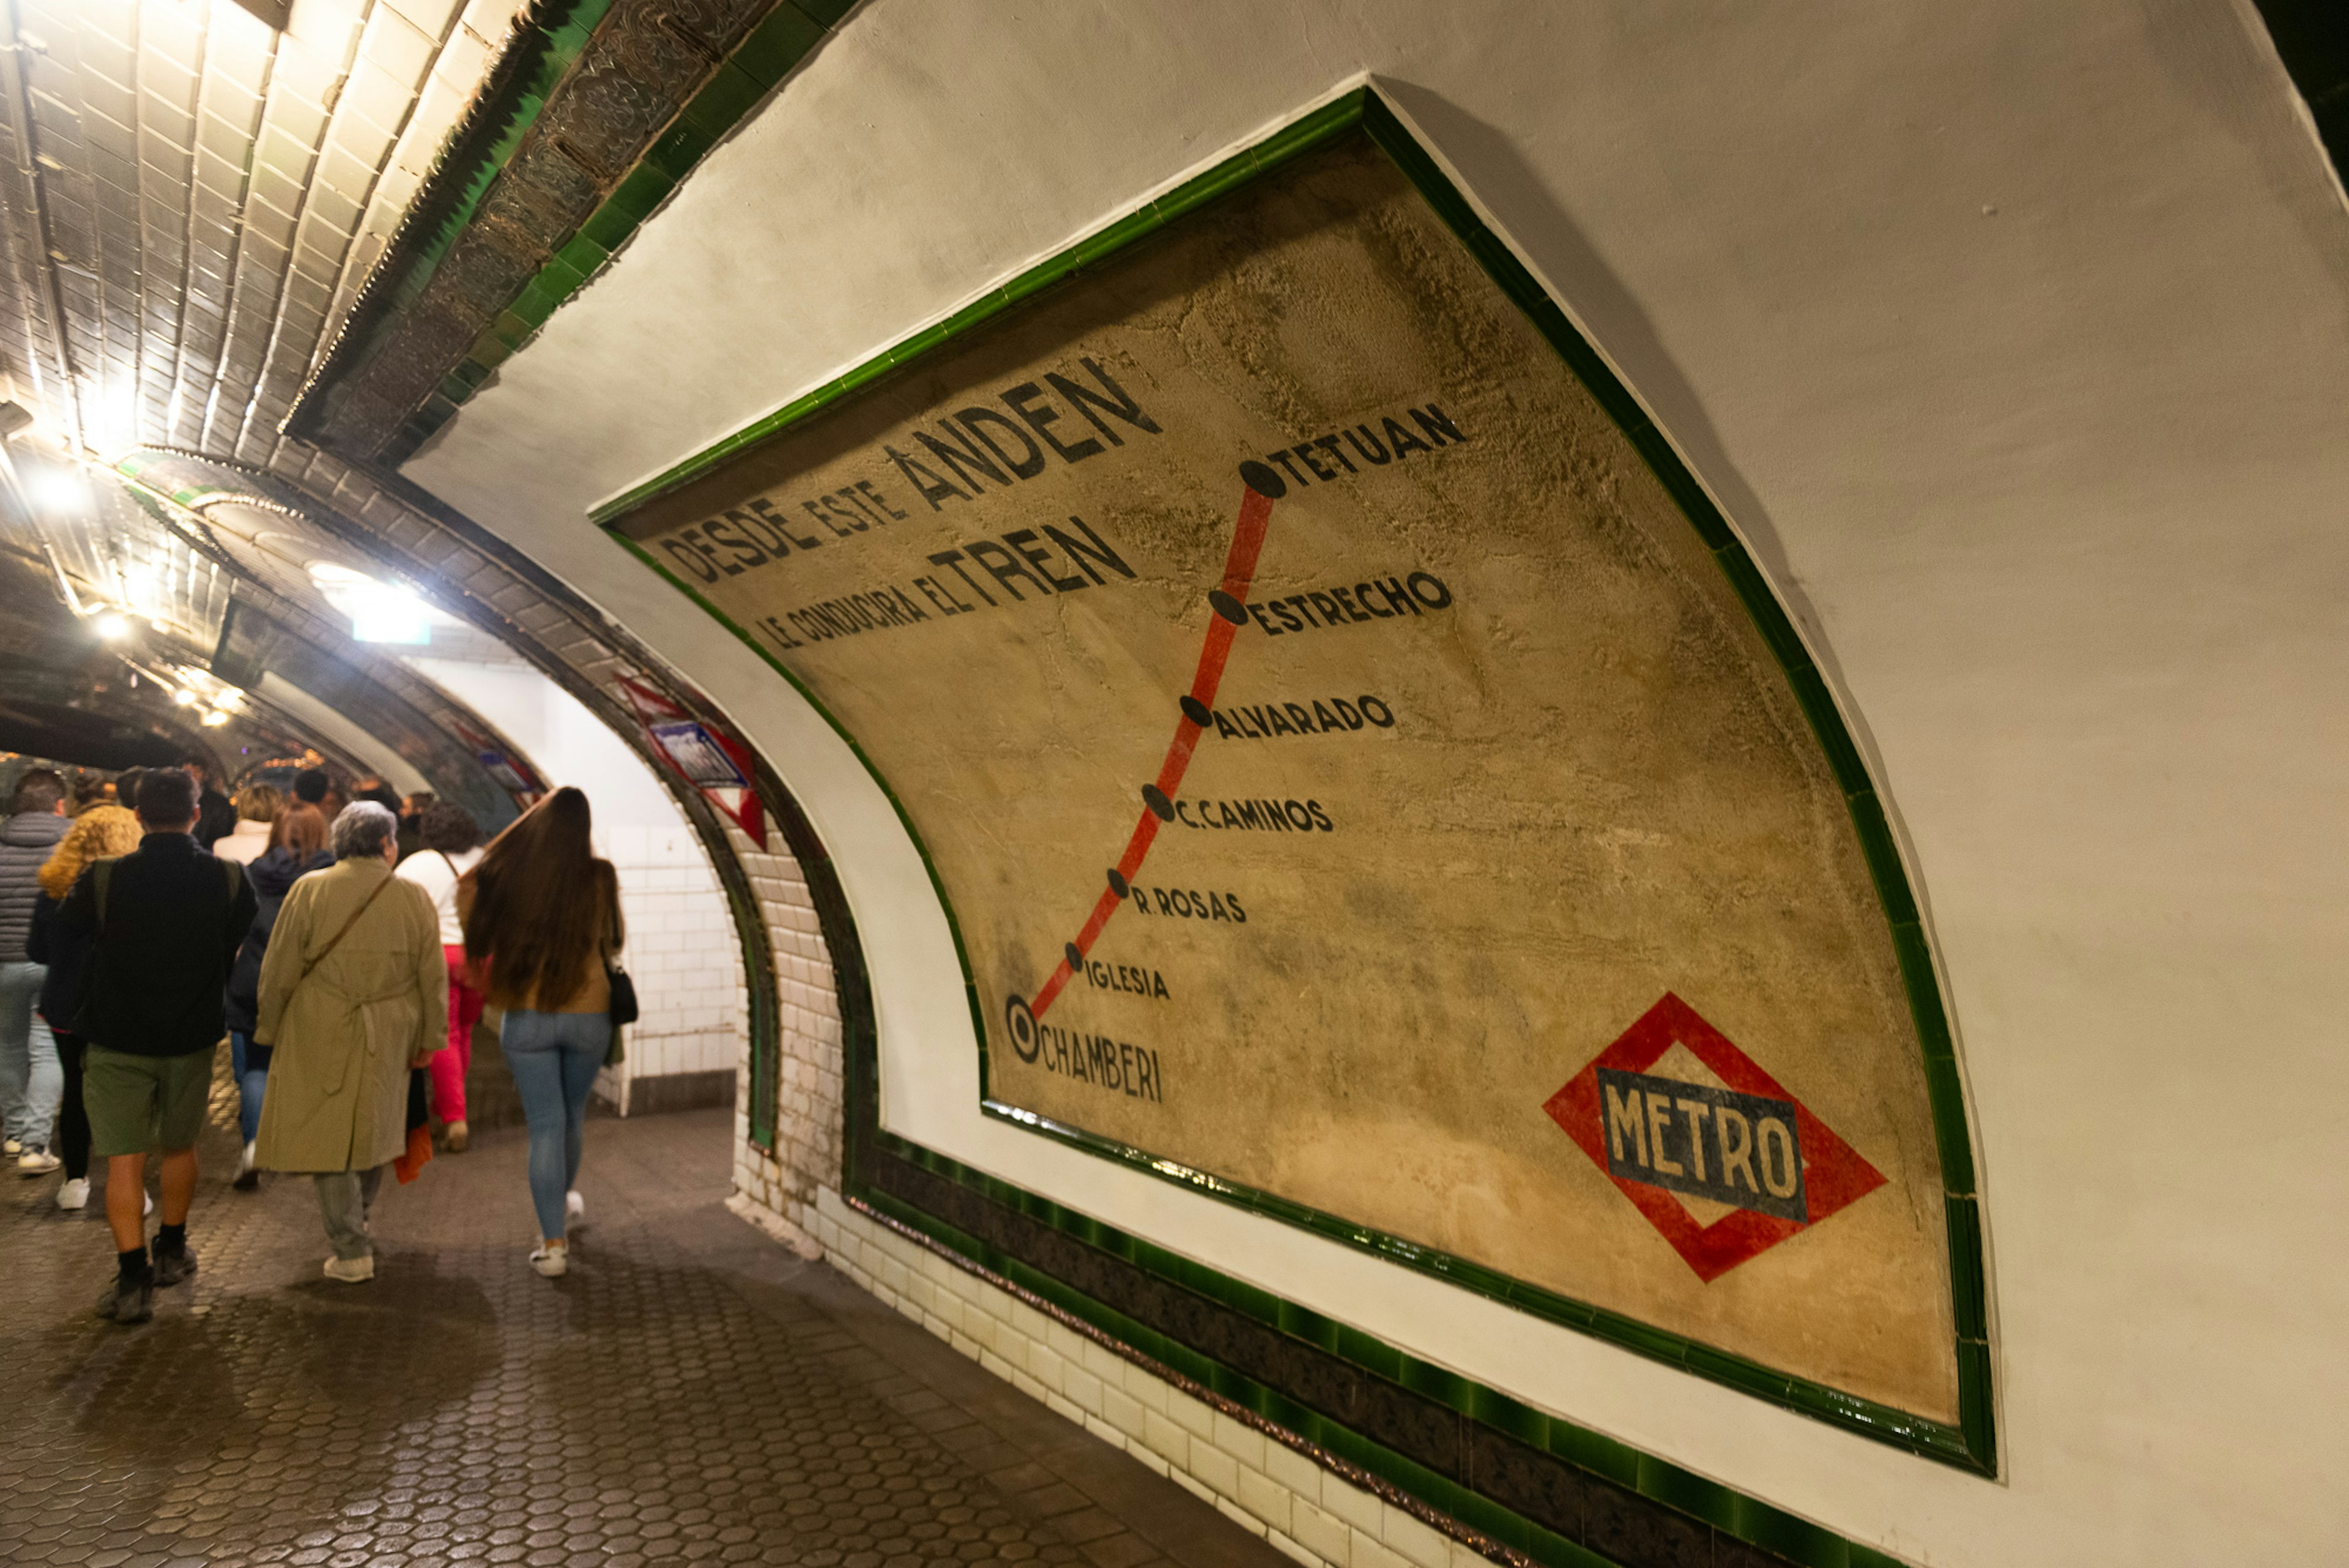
{"points": [[338, 1097]]}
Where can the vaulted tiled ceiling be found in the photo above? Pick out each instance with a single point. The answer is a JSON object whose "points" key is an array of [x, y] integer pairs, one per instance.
{"points": [[193, 197]]}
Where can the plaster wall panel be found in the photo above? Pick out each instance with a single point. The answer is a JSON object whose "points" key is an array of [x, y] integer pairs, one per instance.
{"points": [[2013, 342]]}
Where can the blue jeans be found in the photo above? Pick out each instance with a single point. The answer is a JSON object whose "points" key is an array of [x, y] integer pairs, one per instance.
{"points": [[250, 1084], [554, 1057], [31, 1082]]}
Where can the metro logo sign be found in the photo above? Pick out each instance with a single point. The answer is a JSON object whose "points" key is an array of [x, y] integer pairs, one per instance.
{"points": [[1752, 1146], [1738, 1149]]}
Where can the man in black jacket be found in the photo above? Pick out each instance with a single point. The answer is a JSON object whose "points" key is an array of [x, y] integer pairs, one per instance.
{"points": [[165, 921], [215, 813]]}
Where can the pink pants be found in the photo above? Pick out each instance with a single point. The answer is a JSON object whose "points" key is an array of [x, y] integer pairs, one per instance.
{"points": [[449, 1067]]}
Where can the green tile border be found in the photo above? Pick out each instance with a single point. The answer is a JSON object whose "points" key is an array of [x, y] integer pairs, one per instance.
{"points": [[553, 35], [769, 52], [1970, 1443]]}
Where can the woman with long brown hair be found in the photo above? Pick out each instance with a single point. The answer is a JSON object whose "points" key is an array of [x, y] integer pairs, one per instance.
{"points": [[542, 919], [297, 847]]}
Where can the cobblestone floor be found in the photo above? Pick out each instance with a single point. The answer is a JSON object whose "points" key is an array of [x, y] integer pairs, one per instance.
{"points": [[691, 1392]]}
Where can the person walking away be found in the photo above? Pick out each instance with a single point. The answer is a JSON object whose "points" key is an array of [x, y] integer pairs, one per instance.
{"points": [[541, 921], [382, 793], [215, 816], [354, 995], [257, 806], [165, 921], [412, 822], [100, 833], [449, 847], [30, 1079], [126, 788], [297, 845], [311, 786]]}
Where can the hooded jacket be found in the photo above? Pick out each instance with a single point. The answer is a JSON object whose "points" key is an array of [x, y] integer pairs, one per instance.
{"points": [[273, 875], [26, 841]]}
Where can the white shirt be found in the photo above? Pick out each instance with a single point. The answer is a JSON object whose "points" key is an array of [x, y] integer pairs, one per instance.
{"points": [[437, 874], [246, 845]]}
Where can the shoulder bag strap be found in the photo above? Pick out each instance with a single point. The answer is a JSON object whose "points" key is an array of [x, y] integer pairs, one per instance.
{"points": [[339, 935]]}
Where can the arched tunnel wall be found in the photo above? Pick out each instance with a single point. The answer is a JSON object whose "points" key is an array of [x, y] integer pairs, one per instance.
{"points": [[718, 313], [1924, 431]]}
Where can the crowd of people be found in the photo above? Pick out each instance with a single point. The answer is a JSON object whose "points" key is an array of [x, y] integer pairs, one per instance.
{"points": [[344, 945]]}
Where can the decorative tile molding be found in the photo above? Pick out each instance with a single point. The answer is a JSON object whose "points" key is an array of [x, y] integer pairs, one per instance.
{"points": [[601, 107], [1304, 1500]]}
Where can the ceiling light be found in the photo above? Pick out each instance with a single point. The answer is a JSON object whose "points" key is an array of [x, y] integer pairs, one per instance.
{"points": [[184, 697], [214, 716], [56, 489], [378, 612], [113, 627]]}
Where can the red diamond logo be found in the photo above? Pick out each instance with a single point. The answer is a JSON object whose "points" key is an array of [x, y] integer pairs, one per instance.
{"points": [[1749, 1147]]}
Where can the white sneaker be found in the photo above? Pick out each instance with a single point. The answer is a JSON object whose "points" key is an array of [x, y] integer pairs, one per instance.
{"points": [[574, 1206], [74, 1193], [351, 1271], [11, 1148], [552, 1261], [37, 1162]]}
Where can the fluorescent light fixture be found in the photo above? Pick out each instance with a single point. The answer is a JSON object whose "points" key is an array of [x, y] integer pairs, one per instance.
{"points": [[56, 489], [378, 612]]}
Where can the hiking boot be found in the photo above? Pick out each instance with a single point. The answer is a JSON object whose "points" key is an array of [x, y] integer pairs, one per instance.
{"points": [[129, 1301], [173, 1267]]}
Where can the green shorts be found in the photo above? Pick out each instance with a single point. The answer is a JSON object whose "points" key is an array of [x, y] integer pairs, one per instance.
{"points": [[141, 1104]]}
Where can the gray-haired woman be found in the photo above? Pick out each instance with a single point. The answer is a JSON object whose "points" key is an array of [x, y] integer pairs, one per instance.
{"points": [[354, 995]]}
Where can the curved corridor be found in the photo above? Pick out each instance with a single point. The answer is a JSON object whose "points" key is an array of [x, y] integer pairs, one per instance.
{"points": [[689, 1392], [1523, 785]]}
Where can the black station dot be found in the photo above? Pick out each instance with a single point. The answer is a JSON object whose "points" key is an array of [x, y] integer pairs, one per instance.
{"points": [[1198, 713], [1230, 609], [1264, 479], [1075, 955], [1117, 883], [1155, 799]]}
